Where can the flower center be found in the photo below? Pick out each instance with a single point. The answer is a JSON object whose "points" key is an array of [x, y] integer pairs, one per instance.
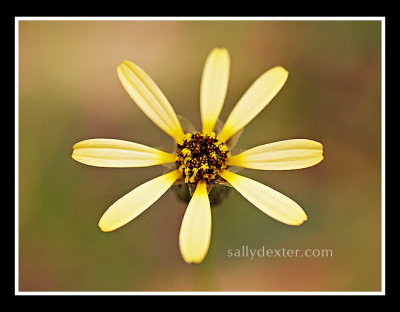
{"points": [[201, 156]]}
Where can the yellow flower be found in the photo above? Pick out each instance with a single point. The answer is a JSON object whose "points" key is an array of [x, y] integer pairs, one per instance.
{"points": [[202, 159]]}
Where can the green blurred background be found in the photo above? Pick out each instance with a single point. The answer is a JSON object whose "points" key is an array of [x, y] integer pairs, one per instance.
{"points": [[69, 91]]}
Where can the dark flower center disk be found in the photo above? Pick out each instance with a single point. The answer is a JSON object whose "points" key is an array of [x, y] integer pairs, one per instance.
{"points": [[201, 156]]}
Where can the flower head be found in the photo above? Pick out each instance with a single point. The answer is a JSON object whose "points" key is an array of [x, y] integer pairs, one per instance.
{"points": [[201, 156], [202, 159]]}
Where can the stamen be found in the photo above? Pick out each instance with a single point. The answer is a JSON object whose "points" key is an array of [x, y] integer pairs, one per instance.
{"points": [[201, 156]]}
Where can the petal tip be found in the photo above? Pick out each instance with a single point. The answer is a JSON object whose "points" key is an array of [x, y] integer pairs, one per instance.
{"points": [[297, 222], [219, 49], [125, 62], [193, 261], [104, 227], [282, 69], [77, 145], [302, 219]]}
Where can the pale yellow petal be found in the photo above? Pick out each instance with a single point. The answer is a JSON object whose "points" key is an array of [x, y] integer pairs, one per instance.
{"points": [[135, 202], [150, 99], [282, 155], [260, 93], [214, 84], [269, 201], [195, 233], [118, 153]]}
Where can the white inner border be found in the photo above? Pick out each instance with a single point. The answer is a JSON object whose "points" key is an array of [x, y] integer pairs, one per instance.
{"points": [[223, 18]]}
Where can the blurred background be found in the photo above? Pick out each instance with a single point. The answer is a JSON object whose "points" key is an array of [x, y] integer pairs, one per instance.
{"points": [[69, 91]]}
